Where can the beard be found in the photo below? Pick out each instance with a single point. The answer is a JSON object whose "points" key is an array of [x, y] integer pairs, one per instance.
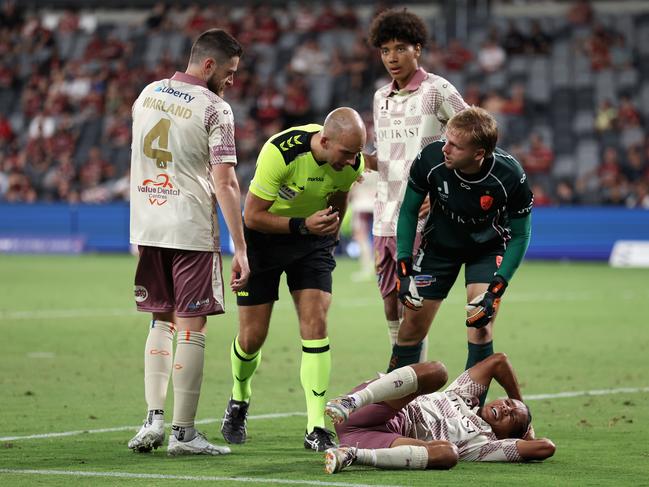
{"points": [[216, 87]]}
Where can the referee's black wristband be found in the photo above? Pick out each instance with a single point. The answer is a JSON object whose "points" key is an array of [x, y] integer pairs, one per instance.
{"points": [[297, 226]]}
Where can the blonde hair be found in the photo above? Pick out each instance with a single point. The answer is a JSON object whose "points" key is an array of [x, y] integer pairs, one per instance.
{"points": [[479, 125]]}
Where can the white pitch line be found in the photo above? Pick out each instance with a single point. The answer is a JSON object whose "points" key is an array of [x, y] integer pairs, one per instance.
{"points": [[135, 428], [531, 397], [201, 478], [54, 314], [596, 392]]}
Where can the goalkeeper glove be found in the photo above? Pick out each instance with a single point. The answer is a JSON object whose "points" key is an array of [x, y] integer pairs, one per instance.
{"points": [[484, 307], [406, 287]]}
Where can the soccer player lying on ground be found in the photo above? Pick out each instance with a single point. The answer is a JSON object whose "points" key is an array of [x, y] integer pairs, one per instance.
{"points": [[399, 421]]}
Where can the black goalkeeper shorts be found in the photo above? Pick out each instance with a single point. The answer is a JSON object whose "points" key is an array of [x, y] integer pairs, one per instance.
{"points": [[439, 269]]}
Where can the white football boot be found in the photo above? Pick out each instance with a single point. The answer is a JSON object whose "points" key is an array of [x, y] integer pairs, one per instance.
{"points": [[150, 436]]}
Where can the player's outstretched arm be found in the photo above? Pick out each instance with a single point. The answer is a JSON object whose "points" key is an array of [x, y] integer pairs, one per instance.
{"points": [[228, 196]]}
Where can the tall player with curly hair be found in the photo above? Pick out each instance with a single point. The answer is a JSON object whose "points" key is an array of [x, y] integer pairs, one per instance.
{"points": [[409, 113]]}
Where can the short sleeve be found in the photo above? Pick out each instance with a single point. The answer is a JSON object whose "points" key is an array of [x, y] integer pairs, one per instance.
{"points": [[269, 174], [451, 102], [219, 123]]}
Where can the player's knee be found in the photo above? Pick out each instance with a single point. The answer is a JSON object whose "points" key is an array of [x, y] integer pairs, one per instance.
{"points": [[250, 343], [499, 358], [431, 376], [442, 455]]}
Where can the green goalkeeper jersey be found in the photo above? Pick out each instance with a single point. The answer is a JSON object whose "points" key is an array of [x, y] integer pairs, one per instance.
{"points": [[469, 213], [288, 174]]}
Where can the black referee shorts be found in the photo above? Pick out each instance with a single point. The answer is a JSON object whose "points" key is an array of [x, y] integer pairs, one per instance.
{"points": [[308, 264]]}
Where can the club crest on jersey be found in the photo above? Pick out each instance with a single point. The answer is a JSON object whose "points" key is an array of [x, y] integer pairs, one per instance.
{"points": [[486, 201]]}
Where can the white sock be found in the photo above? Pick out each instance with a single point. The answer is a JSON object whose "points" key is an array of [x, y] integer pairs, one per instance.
{"points": [[400, 457], [187, 376], [393, 331], [398, 383], [158, 354]]}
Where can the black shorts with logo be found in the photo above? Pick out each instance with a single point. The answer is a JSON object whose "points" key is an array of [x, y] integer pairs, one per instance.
{"points": [[435, 269], [307, 261]]}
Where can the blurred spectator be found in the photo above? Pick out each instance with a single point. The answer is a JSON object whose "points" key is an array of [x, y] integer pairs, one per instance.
{"points": [[472, 94], [606, 183], [491, 57], [514, 42], [621, 54], [539, 41], [297, 107], [268, 105], [6, 132], [635, 167], [457, 56], [327, 19], [639, 196], [433, 57], [157, 15], [494, 103], [11, 16], [627, 115], [565, 193], [348, 18], [596, 47], [606, 117], [580, 13], [538, 162], [515, 104], [629, 123]]}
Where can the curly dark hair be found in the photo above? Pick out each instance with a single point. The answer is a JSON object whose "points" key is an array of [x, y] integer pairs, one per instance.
{"points": [[398, 25]]}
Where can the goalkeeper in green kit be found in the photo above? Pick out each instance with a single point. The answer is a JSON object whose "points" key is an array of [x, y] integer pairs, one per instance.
{"points": [[479, 216]]}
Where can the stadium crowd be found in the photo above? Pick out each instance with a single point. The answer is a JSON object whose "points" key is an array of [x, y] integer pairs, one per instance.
{"points": [[567, 91]]}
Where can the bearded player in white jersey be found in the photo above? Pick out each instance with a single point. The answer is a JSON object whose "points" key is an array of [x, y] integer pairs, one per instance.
{"points": [[409, 113], [182, 165], [399, 421]]}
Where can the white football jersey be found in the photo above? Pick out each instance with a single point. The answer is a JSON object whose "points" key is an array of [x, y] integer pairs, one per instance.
{"points": [[406, 121], [452, 415], [180, 130]]}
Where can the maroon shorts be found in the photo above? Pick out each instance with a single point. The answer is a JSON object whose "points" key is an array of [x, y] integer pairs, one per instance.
{"points": [[189, 282], [385, 262], [372, 426]]}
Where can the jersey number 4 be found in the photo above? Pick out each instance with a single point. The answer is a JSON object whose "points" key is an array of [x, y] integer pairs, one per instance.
{"points": [[160, 131]]}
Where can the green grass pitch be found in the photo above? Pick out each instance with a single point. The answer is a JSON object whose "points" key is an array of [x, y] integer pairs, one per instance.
{"points": [[71, 361]]}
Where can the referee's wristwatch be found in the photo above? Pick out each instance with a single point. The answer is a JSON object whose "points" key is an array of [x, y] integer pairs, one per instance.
{"points": [[298, 226], [303, 228]]}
